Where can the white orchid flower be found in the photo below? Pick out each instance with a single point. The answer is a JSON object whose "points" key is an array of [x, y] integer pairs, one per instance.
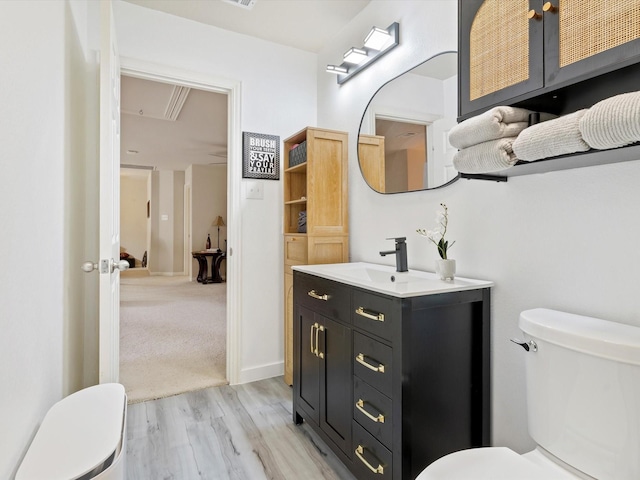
{"points": [[438, 233]]}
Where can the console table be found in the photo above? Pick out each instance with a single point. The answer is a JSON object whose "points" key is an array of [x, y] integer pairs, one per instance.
{"points": [[216, 260]]}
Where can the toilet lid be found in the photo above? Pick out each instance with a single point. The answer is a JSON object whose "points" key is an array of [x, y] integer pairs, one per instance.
{"points": [[491, 463], [78, 434]]}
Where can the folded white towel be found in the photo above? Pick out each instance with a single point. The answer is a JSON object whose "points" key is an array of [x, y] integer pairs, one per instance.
{"points": [[486, 157], [613, 122], [499, 122], [559, 136]]}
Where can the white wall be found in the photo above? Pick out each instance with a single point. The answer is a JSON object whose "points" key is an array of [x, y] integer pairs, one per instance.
{"points": [[565, 240], [133, 214], [45, 130], [165, 255], [278, 97], [209, 199]]}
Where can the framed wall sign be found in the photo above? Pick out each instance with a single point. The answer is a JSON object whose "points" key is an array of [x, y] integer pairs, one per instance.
{"points": [[260, 156]]}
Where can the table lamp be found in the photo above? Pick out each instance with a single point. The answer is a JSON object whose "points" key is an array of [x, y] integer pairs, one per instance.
{"points": [[218, 222]]}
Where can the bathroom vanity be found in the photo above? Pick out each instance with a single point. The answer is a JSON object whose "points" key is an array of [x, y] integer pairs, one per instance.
{"points": [[392, 370]]}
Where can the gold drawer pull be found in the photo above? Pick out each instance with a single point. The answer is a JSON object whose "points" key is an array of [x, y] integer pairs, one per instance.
{"points": [[313, 294], [360, 406], [360, 452], [311, 337], [549, 7], [360, 359], [371, 316], [319, 328], [533, 15]]}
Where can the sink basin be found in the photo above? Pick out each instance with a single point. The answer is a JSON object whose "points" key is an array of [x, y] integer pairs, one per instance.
{"points": [[382, 275], [385, 279]]}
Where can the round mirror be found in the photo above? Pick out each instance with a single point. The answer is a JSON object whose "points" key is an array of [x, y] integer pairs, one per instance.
{"points": [[403, 139]]}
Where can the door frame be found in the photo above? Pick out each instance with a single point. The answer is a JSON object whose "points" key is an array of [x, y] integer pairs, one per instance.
{"points": [[232, 88]]}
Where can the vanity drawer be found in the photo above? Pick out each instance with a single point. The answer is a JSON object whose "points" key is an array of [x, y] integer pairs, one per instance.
{"points": [[322, 296], [373, 313], [372, 362], [373, 411], [371, 459]]}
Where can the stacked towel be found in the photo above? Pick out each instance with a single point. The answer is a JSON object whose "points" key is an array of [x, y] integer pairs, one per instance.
{"points": [[485, 141], [613, 122], [485, 157], [555, 137], [499, 122]]}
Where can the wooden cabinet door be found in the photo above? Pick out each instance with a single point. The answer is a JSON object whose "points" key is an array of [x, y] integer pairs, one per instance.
{"points": [[371, 159], [327, 204], [500, 51], [336, 409], [308, 387], [587, 38]]}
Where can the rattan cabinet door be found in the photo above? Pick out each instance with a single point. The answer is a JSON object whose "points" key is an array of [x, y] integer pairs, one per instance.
{"points": [[500, 51], [586, 38]]}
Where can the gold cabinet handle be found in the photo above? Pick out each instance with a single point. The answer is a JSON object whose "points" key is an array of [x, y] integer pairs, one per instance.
{"points": [[359, 452], [360, 406], [313, 294], [371, 316], [311, 337], [549, 7], [319, 328], [533, 15], [360, 359]]}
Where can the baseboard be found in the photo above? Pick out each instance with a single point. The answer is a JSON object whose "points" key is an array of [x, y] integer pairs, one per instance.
{"points": [[262, 372], [166, 274]]}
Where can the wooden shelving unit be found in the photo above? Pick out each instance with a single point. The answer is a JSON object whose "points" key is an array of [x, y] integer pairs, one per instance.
{"points": [[319, 187]]}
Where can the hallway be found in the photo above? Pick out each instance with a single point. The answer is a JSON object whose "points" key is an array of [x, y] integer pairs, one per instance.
{"points": [[172, 335]]}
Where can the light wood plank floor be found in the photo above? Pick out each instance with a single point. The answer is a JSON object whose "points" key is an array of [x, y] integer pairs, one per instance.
{"points": [[242, 432]]}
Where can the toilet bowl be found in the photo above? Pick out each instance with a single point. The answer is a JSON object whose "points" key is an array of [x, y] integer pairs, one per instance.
{"points": [[495, 463], [583, 405], [82, 437]]}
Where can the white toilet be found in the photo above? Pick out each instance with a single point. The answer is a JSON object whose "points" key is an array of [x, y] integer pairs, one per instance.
{"points": [[583, 400], [82, 437]]}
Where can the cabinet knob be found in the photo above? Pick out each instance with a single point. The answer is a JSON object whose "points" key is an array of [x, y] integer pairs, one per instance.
{"points": [[548, 7], [533, 15]]}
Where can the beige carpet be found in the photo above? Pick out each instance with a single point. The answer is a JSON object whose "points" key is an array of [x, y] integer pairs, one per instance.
{"points": [[172, 335]]}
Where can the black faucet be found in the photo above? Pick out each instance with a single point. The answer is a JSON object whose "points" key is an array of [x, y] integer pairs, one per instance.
{"points": [[400, 252]]}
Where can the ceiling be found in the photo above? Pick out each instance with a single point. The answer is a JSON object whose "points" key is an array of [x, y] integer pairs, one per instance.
{"points": [[303, 24], [168, 127], [165, 127]]}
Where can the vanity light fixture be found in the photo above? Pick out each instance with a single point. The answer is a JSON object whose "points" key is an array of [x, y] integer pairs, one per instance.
{"points": [[377, 39], [377, 43], [355, 56], [337, 69]]}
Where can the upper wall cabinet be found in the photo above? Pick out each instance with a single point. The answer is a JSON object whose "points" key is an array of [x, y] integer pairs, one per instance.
{"points": [[533, 53]]}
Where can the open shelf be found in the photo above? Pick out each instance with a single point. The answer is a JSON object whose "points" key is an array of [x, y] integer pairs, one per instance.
{"points": [[564, 162], [300, 168]]}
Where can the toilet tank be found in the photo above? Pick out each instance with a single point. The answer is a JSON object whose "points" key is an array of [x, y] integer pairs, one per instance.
{"points": [[583, 391]]}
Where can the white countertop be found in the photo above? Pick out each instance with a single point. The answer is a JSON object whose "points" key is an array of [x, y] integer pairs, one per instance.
{"points": [[384, 279]]}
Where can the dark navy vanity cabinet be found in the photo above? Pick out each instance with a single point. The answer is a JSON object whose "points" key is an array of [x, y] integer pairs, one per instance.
{"points": [[391, 384]]}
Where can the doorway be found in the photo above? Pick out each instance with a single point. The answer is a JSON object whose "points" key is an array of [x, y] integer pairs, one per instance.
{"points": [[189, 80]]}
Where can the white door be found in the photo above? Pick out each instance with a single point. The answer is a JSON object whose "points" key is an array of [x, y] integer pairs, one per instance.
{"points": [[109, 313], [441, 152]]}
